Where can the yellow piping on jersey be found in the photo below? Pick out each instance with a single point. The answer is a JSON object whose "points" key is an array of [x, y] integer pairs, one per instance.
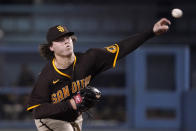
{"points": [[66, 75], [32, 107], [74, 63], [114, 64]]}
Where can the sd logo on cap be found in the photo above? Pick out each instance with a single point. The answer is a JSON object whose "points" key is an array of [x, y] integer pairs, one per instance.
{"points": [[56, 32]]}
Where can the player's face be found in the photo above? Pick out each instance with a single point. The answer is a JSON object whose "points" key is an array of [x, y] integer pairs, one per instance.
{"points": [[63, 46]]}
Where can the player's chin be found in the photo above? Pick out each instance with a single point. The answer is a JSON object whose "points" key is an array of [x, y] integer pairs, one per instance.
{"points": [[67, 52]]}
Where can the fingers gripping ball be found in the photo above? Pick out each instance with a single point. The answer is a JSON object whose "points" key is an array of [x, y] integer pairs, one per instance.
{"points": [[87, 98]]}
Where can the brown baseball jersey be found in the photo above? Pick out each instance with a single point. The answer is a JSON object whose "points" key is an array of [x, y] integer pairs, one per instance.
{"points": [[55, 86]]}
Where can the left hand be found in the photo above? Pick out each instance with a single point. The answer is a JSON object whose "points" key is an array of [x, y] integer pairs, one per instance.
{"points": [[161, 26], [86, 98]]}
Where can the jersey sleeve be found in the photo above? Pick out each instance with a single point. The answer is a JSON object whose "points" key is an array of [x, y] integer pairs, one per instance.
{"points": [[40, 92], [60, 111], [102, 58], [131, 43], [105, 58], [40, 103]]}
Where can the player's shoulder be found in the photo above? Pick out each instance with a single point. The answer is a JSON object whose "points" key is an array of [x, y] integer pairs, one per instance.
{"points": [[94, 51], [47, 66], [47, 69], [88, 52], [105, 50]]}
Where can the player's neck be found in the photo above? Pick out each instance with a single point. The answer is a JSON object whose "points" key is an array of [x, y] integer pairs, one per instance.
{"points": [[64, 62]]}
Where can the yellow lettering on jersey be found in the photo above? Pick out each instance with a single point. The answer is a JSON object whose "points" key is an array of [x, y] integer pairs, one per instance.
{"points": [[87, 80], [111, 49], [82, 83], [74, 87], [54, 99], [59, 95], [66, 91], [78, 84]]}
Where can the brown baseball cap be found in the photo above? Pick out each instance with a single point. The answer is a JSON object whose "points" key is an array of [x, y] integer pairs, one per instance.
{"points": [[56, 32]]}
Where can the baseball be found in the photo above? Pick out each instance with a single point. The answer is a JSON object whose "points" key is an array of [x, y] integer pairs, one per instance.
{"points": [[177, 13]]}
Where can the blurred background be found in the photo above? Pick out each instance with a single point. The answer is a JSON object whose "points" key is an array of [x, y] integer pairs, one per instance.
{"points": [[152, 89]]}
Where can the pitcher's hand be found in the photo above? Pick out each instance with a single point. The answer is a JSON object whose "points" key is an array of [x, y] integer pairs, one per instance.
{"points": [[161, 26]]}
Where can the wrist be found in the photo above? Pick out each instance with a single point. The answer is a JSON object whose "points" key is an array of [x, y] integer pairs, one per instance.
{"points": [[73, 104]]}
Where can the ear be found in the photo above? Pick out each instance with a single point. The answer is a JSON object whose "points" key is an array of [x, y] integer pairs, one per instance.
{"points": [[51, 48]]}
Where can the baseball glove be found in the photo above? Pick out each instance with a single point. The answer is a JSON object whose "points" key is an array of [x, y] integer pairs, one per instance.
{"points": [[87, 98]]}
